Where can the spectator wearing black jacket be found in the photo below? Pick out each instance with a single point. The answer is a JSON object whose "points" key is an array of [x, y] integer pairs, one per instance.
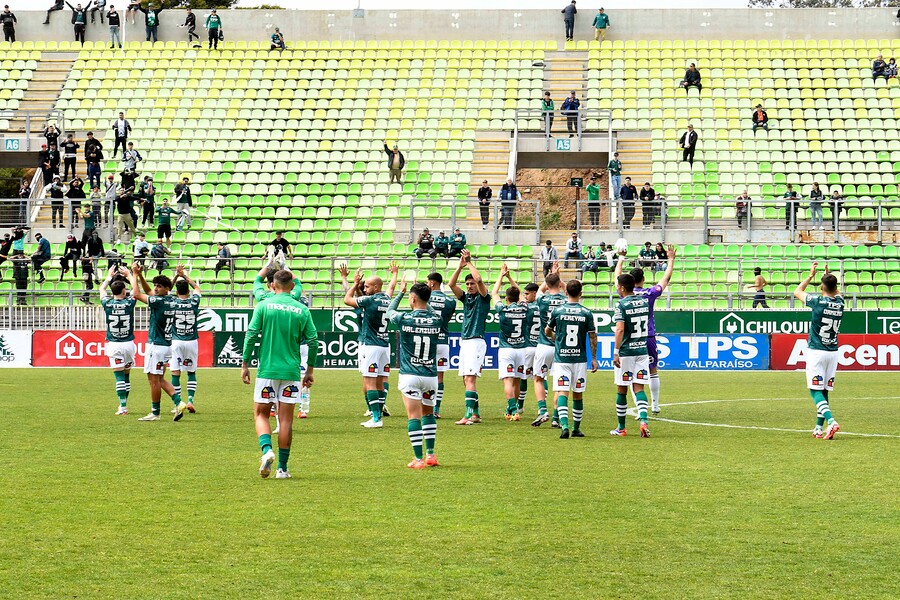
{"points": [[183, 202], [760, 118], [71, 252], [426, 245], [691, 79], [93, 156], [649, 206], [91, 142], [395, 162], [569, 13], [76, 195], [627, 194], [509, 197], [688, 143], [190, 21], [93, 249], [9, 21], [879, 68], [44, 164], [484, 202], [224, 259], [41, 256], [57, 5], [69, 150], [52, 135], [151, 21], [57, 192], [79, 19], [24, 195], [112, 17]]}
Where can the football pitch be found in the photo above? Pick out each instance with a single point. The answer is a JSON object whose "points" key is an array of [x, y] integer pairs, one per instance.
{"points": [[98, 506]]}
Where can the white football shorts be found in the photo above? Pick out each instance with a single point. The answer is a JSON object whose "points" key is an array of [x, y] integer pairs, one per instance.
{"points": [[268, 391], [184, 355], [511, 363], [418, 388], [375, 361], [156, 359], [821, 366], [120, 354], [471, 356], [634, 369], [569, 377]]}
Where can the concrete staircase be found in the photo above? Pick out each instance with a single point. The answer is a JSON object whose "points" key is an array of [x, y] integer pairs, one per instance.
{"points": [[565, 72], [634, 152], [43, 90], [490, 161], [559, 242]]}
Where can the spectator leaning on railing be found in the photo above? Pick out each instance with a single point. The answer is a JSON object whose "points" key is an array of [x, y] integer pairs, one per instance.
{"points": [[815, 206], [484, 202], [742, 207]]}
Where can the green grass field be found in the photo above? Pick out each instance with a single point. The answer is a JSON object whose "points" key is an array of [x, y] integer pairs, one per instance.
{"points": [[97, 506]]}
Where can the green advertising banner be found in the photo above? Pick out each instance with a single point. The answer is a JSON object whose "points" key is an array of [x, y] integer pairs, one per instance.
{"points": [[881, 322], [767, 321]]}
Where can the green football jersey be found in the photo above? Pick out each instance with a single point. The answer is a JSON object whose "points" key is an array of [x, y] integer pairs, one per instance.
{"points": [[533, 324], [261, 290], [164, 214], [445, 306], [88, 219], [184, 321], [634, 311], [571, 323], [826, 321], [475, 313], [280, 325], [513, 324], [420, 332], [119, 318], [373, 330], [546, 305], [161, 311]]}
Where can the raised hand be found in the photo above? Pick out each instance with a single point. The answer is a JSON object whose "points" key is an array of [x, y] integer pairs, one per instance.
{"points": [[343, 270], [671, 251], [394, 268], [812, 271]]}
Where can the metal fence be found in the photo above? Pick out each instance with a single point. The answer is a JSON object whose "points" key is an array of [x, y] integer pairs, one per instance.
{"points": [[534, 119], [523, 215], [35, 121]]}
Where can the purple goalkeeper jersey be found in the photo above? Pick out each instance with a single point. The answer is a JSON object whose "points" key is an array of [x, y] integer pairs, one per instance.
{"points": [[651, 294]]}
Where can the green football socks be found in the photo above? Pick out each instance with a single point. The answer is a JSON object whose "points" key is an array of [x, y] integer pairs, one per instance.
{"points": [[373, 397], [621, 409], [265, 442], [471, 400], [562, 407], [176, 382], [523, 392], [542, 407], [822, 408], [414, 428], [283, 455], [438, 398], [120, 388], [192, 386], [511, 406], [577, 411], [127, 380], [429, 430], [640, 399], [154, 408]]}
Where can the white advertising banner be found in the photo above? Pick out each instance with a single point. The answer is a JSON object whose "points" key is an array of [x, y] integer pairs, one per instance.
{"points": [[15, 348]]}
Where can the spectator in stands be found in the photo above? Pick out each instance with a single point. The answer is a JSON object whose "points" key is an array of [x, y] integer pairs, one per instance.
{"points": [[662, 256], [147, 197], [837, 204], [509, 196], [111, 192], [691, 79], [688, 142], [792, 203], [879, 68], [121, 128], [457, 243], [86, 212], [547, 108], [601, 24], [53, 157], [18, 236], [426, 245], [484, 202], [124, 219], [628, 194], [69, 150], [90, 143], [20, 274], [442, 245], [279, 250], [573, 250], [57, 192], [141, 248], [99, 5], [41, 256], [9, 21], [593, 203], [71, 252], [815, 206], [190, 21], [151, 20], [24, 195], [44, 163], [396, 162], [76, 195], [131, 157], [570, 108], [134, 6], [57, 5], [759, 285], [52, 135], [164, 227], [223, 254], [183, 201], [891, 69], [94, 250], [647, 255], [742, 207], [760, 118], [128, 180], [114, 21], [549, 257], [649, 205], [590, 261], [277, 41], [160, 251], [88, 274], [569, 13], [5, 250], [614, 168], [93, 156], [79, 19], [213, 25]]}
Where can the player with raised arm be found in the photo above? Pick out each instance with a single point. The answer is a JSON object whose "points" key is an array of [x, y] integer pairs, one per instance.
{"points": [[822, 351], [356, 291], [185, 339], [159, 339], [472, 347], [120, 348], [533, 327], [445, 306], [651, 294], [550, 297], [513, 316], [420, 330], [631, 361], [279, 325], [375, 357]]}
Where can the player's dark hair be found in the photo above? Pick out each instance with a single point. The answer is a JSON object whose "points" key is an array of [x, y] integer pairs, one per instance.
{"points": [[421, 290], [469, 277], [638, 275], [829, 282], [270, 275], [283, 277], [573, 288], [117, 287], [532, 287], [552, 280], [436, 277], [513, 293], [626, 281], [757, 271], [163, 281], [181, 286]]}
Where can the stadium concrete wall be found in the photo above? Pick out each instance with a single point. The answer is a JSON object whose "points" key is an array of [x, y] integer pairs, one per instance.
{"points": [[659, 24]]}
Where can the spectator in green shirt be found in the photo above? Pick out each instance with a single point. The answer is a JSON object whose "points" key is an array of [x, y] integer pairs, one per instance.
{"points": [[457, 243], [593, 191], [601, 24], [164, 225], [442, 245], [615, 174], [213, 25], [547, 107]]}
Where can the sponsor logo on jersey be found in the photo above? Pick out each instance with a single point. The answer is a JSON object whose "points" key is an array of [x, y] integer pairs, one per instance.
{"points": [[627, 376], [563, 380], [817, 380], [831, 382], [267, 393], [641, 375]]}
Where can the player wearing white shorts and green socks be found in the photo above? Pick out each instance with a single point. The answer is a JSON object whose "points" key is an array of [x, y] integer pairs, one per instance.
{"points": [[120, 349], [420, 330], [472, 348], [513, 317], [550, 297], [185, 338], [445, 306], [569, 325], [280, 325], [631, 359], [533, 327], [822, 351]]}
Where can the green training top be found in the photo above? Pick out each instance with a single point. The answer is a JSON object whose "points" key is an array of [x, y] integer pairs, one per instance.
{"points": [[593, 191], [161, 311], [601, 20], [119, 318], [634, 311], [164, 213], [184, 326], [419, 337], [373, 330], [533, 324], [88, 219], [826, 321], [261, 290], [280, 325], [546, 104], [475, 312], [614, 167], [547, 304], [571, 323], [445, 306], [513, 324]]}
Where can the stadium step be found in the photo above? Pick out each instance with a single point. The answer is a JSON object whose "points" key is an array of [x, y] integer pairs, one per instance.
{"points": [[490, 161], [565, 72], [45, 87]]}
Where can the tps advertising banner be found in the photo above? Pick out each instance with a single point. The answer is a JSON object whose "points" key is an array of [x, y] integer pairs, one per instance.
{"points": [[878, 352], [15, 348], [700, 352], [86, 349]]}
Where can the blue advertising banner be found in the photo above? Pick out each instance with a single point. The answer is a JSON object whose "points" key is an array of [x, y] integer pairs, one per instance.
{"points": [[700, 352]]}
